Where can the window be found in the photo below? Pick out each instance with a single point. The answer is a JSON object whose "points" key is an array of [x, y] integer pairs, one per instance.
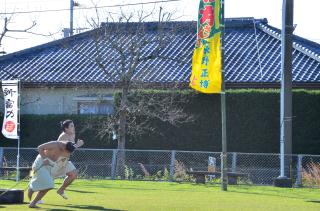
{"points": [[95, 108], [95, 105]]}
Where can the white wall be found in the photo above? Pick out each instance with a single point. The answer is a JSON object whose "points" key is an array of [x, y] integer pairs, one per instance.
{"points": [[54, 100]]}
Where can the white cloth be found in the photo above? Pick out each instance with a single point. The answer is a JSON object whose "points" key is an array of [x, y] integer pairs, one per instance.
{"points": [[62, 167], [42, 178], [44, 175]]}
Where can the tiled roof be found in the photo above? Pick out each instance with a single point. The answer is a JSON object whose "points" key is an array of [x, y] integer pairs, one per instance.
{"points": [[252, 55]]}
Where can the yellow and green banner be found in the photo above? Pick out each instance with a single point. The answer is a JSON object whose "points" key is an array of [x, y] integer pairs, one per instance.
{"points": [[206, 60]]}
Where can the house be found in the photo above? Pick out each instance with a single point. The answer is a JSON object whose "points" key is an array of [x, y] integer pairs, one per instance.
{"points": [[58, 80]]}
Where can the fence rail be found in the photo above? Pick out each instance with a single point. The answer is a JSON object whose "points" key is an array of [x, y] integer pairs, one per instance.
{"points": [[166, 165]]}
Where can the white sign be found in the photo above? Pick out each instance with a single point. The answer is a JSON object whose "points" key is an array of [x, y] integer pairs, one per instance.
{"points": [[10, 116]]}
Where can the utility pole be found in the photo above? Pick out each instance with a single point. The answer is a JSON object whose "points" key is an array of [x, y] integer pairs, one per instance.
{"points": [[224, 167], [284, 179], [71, 17]]}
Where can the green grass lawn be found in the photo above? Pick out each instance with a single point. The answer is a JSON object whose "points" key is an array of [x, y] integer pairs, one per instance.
{"points": [[128, 195]]}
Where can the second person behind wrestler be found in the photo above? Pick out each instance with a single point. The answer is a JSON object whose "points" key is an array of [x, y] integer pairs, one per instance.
{"points": [[70, 171]]}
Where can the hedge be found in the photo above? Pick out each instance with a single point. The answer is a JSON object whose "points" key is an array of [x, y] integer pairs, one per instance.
{"points": [[252, 124]]}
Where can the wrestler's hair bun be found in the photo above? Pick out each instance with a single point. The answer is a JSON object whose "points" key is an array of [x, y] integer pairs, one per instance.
{"points": [[70, 146]]}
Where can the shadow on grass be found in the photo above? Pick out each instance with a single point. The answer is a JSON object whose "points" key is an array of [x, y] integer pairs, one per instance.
{"points": [[314, 201], [151, 188], [80, 191], [8, 205], [125, 188], [81, 207], [13, 204], [277, 194]]}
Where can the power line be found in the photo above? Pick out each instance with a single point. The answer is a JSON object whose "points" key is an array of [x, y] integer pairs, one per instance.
{"points": [[30, 1], [88, 8]]}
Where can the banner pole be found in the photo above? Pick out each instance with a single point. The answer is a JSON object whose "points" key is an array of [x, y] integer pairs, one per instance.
{"points": [[224, 167], [18, 154]]}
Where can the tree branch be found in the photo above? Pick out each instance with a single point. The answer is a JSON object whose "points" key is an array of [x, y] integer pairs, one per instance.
{"points": [[6, 30]]}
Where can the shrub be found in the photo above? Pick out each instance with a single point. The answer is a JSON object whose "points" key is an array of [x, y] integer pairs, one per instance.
{"points": [[128, 173], [180, 173], [311, 175]]}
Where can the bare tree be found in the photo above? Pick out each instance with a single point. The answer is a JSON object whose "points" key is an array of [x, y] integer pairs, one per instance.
{"points": [[7, 31], [130, 44]]}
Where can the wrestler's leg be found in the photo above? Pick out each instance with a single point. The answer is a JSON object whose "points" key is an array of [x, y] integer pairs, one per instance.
{"points": [[30, 193], [38, 197], [71, 176]]}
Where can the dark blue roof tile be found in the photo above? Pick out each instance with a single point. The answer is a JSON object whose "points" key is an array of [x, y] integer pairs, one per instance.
{"points": [[252, 55]]}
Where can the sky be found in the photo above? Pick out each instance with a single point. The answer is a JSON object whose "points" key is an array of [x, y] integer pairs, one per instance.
{"points": [[50, 24]]}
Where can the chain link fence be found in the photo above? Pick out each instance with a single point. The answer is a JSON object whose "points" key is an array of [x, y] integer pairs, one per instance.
{"points": [[164, 165]]}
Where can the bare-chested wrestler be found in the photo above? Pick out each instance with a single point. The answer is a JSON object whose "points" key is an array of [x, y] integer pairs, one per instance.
{"points": [[53, 156], [70, 171]]}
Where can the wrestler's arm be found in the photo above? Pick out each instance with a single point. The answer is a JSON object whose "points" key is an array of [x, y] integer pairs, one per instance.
{"points": [[79, 143], [46, 146], [63, 138]]}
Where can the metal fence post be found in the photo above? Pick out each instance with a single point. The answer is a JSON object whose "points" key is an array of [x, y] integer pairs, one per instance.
{"points": [[234, 162], [172, 164], [1, 156], [113, 164], [299, 170], [1, 159]]}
